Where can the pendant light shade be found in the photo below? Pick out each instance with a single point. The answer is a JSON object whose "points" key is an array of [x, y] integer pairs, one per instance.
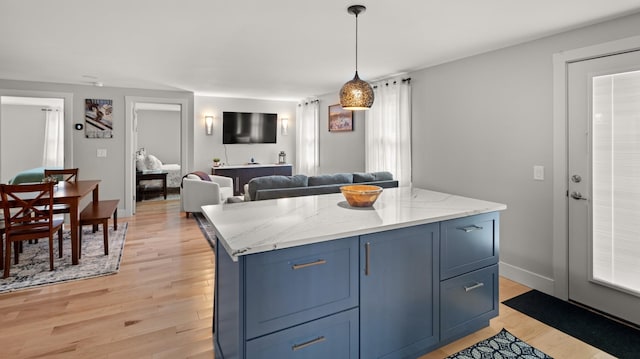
{"points": [[356, 94]]}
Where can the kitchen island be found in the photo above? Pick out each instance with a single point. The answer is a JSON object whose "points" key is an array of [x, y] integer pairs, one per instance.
{"points": [[311, 277]]}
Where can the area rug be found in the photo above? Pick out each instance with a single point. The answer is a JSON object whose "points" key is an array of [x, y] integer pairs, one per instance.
{"points": [[33, 269], [603, 333], [500, 346], [206, 228]]}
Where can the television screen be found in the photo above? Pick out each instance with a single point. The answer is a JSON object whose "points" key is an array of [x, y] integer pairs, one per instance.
{"points": [[245, 127]]}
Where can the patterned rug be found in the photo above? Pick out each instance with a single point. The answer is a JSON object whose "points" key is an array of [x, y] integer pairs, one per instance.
{"points": [[33, 269], [206, 228], [502, 345]]}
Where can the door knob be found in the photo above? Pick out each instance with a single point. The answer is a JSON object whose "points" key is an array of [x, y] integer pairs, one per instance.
{"points": [[577, 195]]}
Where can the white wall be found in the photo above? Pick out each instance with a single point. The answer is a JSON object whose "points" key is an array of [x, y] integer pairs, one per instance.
{"points": [[208, 147], [110, 170], [159, 134], [21, 139], [340, 151], [480, 124]]}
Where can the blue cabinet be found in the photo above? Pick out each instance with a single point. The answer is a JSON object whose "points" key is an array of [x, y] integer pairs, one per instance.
{"points": [[468, 274], [298, 302], [399, 288], [392, 294]]}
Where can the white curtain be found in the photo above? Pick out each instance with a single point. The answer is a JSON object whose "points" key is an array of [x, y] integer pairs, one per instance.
{"points": [[307, 137], [53, 154], [388, 130]]}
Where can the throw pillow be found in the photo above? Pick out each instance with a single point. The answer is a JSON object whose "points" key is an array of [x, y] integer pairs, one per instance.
{"points": [[271, 182], [382, 176], [338, 178], [152, 162], [140, 163], [363, 177]]}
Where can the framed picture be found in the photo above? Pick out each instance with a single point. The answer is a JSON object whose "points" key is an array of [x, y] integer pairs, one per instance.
{"points": [[98, 121], [340, 120]]}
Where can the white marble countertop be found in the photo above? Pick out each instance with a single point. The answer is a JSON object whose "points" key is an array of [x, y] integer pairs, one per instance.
{"points": [[252, 227]]}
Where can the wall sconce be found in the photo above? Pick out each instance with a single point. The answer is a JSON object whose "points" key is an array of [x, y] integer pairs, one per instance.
{"points": [[285, 126], [208, 121]]}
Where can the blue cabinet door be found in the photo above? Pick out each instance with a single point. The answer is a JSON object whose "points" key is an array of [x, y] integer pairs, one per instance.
{"points": [[399, 289], [467, 302], [291, 286], [468, 243], [332, 337]]}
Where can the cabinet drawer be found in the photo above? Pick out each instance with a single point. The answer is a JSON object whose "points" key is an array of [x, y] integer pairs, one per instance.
{"points": [[335, 336], [468, 244], [291, 286], [468, 301]]}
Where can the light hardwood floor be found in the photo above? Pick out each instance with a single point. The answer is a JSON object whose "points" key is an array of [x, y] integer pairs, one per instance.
{"points": [[160, 304]]}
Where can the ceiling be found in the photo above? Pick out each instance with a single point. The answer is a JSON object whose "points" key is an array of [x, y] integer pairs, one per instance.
{"points": [[266, 49]]}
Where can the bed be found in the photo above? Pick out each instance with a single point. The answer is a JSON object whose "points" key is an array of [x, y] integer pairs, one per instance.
{"points": [[146, 162], [174, 174], [30, 175]]}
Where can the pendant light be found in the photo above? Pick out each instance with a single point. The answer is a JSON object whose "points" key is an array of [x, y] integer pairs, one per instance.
{"points": [[356, 94]]}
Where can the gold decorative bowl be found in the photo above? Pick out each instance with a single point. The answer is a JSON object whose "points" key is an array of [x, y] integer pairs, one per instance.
{"points": [[361, 195]]}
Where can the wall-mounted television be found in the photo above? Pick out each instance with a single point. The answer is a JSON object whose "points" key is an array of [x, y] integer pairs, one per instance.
{"points": [[248, 127]]}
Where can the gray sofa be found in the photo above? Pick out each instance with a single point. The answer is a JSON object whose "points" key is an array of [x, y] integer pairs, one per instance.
{"points": [[271, 187]]}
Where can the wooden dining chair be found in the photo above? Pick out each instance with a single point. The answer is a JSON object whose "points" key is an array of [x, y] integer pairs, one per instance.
{"points": [[66, 175], [26, 218], [2, 241]]}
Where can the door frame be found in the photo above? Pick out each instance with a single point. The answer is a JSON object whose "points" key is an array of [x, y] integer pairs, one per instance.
{"points": [[68, 115], [561, 62], [186, 151]]}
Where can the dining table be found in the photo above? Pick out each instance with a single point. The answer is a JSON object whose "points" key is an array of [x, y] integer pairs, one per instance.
{"points": [[71, 194]]}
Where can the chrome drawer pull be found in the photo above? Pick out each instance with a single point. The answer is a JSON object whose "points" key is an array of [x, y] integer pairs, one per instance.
{"points": [[367, 248], [309, 343], [470, 228], [475, 286], [311, 264]]}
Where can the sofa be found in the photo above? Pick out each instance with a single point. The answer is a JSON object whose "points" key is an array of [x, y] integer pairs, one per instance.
{"points": [[271, 187], [196, 192]]}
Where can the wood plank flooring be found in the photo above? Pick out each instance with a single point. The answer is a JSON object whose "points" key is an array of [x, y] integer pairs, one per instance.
{"points": [[160, 304]]}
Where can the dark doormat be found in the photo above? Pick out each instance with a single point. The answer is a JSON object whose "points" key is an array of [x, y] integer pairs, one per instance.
{"points": [[605, 334]]}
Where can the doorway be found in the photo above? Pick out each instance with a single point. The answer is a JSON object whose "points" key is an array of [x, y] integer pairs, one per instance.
{"points": [[35, 132], [139, 115]]}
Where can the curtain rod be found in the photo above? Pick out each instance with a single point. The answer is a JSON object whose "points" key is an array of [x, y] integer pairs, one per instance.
{"points": [[49, 109], [408, 79], [307, 102]]}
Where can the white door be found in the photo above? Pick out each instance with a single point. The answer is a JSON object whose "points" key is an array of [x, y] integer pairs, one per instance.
{"points": [[604, 184]]}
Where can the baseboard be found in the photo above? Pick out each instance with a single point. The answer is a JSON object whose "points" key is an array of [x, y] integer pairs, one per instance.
{"points": [[525, 277]]}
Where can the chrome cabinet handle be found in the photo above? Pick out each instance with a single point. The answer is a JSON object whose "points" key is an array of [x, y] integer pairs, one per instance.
{"points": [[310, 264], [475, 286], [470, 228], [367, 248], [317, 340]]}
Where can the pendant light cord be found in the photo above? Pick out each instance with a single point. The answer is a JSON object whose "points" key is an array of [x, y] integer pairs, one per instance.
{"points": [[356, 42]]}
